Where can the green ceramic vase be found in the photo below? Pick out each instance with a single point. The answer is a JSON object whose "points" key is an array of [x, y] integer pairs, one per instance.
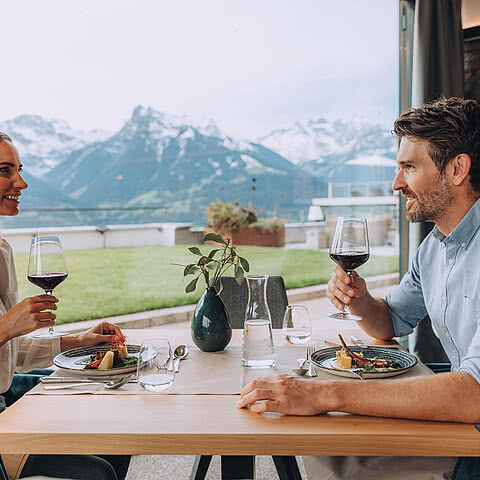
{"points": [[211, 331]]}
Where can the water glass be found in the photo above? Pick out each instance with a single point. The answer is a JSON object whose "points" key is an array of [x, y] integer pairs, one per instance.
{"points": [[257, 348], [154, 360], [297, 328]]}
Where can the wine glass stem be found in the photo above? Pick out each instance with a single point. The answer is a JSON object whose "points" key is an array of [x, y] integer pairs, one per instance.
{"points": [[51, 330]]}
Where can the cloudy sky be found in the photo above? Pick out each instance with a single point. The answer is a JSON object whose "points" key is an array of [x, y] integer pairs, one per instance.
{"points": [[251, 65]]}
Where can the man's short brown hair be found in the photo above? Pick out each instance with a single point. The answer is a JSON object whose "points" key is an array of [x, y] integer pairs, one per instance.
{"points": [[451, 126]]}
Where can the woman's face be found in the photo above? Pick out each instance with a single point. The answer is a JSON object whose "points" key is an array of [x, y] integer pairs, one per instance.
{"points": [[11, 182]]}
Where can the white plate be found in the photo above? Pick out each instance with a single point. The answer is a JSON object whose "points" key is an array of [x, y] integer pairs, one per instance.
{"points": [[75, 360], [325, 359]]}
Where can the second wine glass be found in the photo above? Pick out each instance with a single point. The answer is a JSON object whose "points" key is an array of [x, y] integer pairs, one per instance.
{"points": [[350, 249], [47, 269]]}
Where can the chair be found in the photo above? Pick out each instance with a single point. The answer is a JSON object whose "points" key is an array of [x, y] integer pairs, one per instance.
{"points": [[235, 298]]}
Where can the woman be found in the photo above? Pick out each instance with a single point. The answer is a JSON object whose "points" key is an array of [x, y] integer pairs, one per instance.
{"points": [[20, 353]]}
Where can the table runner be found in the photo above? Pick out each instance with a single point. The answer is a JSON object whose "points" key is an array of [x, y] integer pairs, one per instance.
{"points": [[217, 373]]}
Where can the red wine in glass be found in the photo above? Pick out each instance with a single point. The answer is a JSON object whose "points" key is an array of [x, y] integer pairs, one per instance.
{"points": [[349, 249], [47, 281], [47, 269]]}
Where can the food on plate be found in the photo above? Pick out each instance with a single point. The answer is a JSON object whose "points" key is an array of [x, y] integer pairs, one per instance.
{"points": [[346, 358], [116, 357]]}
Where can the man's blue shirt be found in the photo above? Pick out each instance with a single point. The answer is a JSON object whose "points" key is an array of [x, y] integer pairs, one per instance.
{"points": [[443, 282]]}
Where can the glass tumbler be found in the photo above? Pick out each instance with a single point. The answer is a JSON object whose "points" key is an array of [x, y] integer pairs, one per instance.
{"points": [[297, 328], [154, 368]]}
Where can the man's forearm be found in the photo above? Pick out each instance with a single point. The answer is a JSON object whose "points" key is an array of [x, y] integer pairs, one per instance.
{"points": [[4, 333], [376, 320], [452, 397]]}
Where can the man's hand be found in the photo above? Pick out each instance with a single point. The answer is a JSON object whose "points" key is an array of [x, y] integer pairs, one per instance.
{"points": [[104, 332], [28, 315], [285, 394], [344, 288]]}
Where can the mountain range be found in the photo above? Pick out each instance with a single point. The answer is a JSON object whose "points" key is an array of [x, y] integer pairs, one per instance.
{"points": [[165, 160]]}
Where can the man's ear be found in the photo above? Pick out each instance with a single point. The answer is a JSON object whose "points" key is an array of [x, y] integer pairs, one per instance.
{"points": [[460, 168]]}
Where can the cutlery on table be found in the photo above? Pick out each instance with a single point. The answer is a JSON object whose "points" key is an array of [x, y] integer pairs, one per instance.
{"points": [[332, 344], [110, 385], [180, 353], [54, 379], [311, 370]]}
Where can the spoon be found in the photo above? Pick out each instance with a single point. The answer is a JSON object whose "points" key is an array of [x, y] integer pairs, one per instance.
{"points": [[180, 353], [300, 371], [111, 385]]}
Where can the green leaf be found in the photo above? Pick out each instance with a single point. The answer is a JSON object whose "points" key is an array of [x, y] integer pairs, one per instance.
{"points": [[245, 264], [213, 252], [239, 274], [195, 250], [213, 237], [190, 270], [192, 285]]}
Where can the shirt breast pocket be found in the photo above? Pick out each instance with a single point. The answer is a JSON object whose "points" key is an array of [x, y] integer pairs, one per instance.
{"points": [[471, 304]]}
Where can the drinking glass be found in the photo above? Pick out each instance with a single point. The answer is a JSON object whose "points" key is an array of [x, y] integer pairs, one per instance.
{"points": [[257, 347], [350, 250], [47, 269], [154, 360], [297, 328]]}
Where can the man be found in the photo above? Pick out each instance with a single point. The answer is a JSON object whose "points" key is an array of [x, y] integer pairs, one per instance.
{"points": [[439, 174]]}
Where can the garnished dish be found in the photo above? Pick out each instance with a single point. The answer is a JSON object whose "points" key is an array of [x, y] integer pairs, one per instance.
{"points": [[369, 362], [116, 357], [346, 358]]}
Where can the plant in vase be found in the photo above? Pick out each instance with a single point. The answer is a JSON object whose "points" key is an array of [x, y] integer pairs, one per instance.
{"points": [[211, 331]]}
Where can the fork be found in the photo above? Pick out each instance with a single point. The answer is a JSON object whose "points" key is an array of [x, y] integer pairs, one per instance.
{"points": [[311, 370]]}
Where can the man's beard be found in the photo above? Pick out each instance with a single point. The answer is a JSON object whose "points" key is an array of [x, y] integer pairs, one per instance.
{"points": [[431, 204]]}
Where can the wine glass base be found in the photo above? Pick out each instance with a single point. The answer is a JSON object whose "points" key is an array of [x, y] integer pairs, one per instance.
{"points": [[344, 316], [50, 335]]}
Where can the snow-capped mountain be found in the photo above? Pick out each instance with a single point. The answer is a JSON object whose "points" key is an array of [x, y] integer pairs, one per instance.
{"points": [[159, 159], [43, 144], [320, 141]]}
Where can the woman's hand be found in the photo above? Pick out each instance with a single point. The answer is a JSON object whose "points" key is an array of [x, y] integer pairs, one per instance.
{"points": [[104, 332], [285, 394], [344, 288], [28, 315]]}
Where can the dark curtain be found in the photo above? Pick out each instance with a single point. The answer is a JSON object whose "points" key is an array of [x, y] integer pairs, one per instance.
{"points": [[437, 70]]}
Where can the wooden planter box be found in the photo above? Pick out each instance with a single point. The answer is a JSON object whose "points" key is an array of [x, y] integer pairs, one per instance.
{"points": [[253, 236]]}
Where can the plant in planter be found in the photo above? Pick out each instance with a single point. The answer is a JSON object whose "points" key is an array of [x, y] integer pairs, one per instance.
{"points": [[243, 226], [211, 331]]}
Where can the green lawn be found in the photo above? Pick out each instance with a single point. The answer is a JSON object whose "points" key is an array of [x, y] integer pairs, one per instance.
{"points": [[116, 281]]}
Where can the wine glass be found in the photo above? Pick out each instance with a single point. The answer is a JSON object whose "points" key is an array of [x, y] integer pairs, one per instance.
{"points": [[297, 328], [47, 269], [350, 250]]}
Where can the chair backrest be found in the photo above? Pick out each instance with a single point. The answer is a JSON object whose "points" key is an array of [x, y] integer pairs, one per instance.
{"points": [[235, 298]]}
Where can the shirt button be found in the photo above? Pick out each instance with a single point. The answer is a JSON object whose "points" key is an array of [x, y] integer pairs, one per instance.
{"points": [[463, 244], [450, 261], [444, 299]]}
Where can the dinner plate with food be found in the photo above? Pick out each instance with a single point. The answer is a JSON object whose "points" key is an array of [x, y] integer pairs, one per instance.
{"points": [[99, 360], [369, 362]]}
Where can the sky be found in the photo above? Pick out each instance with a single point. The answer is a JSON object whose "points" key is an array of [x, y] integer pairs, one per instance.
{"points": [[251, 65]]}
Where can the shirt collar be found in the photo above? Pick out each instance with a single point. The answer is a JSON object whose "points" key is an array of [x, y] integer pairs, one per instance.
{"points": [[465, 230]]}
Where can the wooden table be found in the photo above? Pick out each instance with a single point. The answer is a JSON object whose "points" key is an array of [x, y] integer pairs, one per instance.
{"points": [[212, 425]]}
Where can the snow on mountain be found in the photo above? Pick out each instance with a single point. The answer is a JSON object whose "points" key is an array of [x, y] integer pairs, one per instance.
{"points": [[43, 144], [317, 141]]}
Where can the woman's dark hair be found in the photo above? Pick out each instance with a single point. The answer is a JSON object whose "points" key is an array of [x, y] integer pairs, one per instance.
{"points": [[451, 126], [4, 136]]}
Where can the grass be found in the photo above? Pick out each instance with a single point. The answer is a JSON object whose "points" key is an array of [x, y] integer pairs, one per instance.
{"points": [[116, 281]]}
